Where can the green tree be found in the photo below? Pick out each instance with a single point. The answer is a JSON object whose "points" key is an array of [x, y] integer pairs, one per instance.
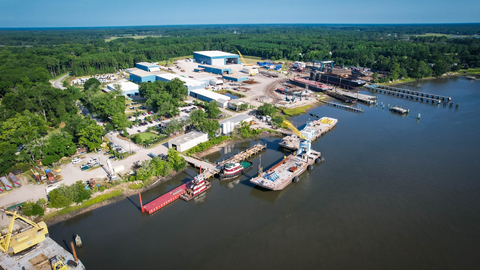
{"points": [[91, 136], [176, 161], [212, 109], [57, 199], [91, 84], [267, 109]]}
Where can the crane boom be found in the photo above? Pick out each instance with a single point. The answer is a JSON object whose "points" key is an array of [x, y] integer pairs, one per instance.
{"points": [[243, 59], [294, 129], [24, 239]]}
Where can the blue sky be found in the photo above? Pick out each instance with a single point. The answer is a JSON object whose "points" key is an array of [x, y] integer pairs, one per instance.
{"points": [[69, 13]]}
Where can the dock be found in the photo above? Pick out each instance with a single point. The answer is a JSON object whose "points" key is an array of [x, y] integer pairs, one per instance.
{"points": [[321, 127], [208, 170], [368, 99], [409, 94], [399, 110], [344, 107]]}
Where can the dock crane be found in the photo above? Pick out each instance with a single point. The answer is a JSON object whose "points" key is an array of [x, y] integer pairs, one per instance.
{"points": [[305, 135], [24, 239]]}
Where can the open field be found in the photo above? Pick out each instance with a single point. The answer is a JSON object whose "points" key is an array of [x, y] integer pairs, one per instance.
{"points": [[135, 37], [147, 135], [296, 111]]}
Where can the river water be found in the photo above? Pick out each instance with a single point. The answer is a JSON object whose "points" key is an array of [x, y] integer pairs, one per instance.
{"points": [[393, 192]]}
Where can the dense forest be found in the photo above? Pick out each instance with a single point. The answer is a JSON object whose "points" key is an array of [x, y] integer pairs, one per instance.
{"points": [[29, 58]]}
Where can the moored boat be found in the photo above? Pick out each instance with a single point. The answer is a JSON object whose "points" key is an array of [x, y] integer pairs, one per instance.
{"points": [[234, 169], [195, 187]]}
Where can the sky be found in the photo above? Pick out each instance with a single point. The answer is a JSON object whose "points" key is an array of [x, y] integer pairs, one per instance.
{"points": [[88, 13]]}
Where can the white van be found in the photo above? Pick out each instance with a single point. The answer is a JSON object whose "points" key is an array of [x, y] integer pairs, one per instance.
{"points": [[51, 187]]}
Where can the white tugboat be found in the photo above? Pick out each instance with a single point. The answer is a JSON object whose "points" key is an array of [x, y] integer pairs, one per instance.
{"points": [[195, 187]]}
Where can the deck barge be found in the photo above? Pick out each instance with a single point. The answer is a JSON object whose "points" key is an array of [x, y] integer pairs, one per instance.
{"points": [[321, 126]]}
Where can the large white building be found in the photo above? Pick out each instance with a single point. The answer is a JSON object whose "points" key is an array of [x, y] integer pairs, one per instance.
{"points": [[228, 125], [188, 140], [129, 89]]}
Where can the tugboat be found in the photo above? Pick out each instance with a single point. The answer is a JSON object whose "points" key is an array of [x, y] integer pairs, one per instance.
{"points": [[234, 169], [195, 187]]}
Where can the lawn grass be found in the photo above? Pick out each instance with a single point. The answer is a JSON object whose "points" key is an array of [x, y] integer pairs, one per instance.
{"points": [[147, 135], [296, 111], [85, 204], [223, 91], [135, 186]]}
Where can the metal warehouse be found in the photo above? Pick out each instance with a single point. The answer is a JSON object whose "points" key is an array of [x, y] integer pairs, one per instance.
{"points": [[148, 66], [187, 141], [191, 84], [207, 95], [129, 89], [216, 69], [228, 125], [139, 75], [235, 78], [215, 58]]}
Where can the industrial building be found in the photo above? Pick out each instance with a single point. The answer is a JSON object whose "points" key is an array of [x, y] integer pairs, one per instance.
{"points": [[228, 125], [207, 96], [220, 70], [139, 75], [129, 89], [215, 58], [191, 84], [188, 140], [235, 78], [150, 67]]}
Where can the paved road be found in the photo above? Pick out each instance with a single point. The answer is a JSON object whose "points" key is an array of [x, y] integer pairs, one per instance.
{"points": [[58, 82]]}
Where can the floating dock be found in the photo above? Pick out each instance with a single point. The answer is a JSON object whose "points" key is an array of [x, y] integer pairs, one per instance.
{"points": [[164, 200], [321, 126], [399, 110], [409, 94], [344, 107]]}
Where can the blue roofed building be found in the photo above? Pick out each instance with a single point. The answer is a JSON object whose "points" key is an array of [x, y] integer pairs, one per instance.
{"points": [[150, 67], [215, 58]]}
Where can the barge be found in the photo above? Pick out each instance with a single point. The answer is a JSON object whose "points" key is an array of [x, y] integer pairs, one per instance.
{"points": [[289, 169], [341, 97], [321, 126], [312, 85]]}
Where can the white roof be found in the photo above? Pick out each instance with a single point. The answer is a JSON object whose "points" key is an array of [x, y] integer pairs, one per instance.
{"points": [[237, 119], [147, 64], [125, 85], [188, 81], [141, 72], [215, 53], [210, 94], [192, 135]]}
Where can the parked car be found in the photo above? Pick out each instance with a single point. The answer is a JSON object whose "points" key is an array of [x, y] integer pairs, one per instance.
{"points": [[152, 155], [85, 167]]}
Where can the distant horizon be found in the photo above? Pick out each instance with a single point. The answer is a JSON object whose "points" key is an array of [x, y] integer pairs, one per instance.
{"points": [[121, 13], [239, 24]]}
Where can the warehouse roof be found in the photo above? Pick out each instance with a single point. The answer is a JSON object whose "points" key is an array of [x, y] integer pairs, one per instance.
{"points": [[186, 137], [210, 94], [215, 53], [188, 81], [124, 84], [147, 64], [237, 119], [142, 73]]}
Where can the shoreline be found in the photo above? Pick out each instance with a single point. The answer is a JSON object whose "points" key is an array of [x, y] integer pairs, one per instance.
{"points": [[126, 192]]}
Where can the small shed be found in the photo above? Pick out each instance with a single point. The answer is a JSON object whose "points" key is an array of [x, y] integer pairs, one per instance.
{"points": [[222, 103]]}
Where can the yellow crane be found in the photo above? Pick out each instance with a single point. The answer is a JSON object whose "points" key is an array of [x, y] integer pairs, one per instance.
{"points": [[243, 60], [294, 129], [25, 238]]}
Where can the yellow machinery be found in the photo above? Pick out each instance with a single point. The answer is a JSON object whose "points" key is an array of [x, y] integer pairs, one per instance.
{"points": [[294, 129], [15, 243], [243, 60], [58, 264]]}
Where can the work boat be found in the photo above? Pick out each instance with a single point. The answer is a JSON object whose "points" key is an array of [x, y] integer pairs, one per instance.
{"points": [[195, 187], [234, 169]]}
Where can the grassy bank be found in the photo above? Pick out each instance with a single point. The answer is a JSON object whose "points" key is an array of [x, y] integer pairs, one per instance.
{"points": [[85, 204], [296, 111]]}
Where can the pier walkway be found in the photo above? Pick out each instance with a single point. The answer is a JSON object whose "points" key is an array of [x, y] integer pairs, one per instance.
{"points": [[406, 93], [344, 107]]}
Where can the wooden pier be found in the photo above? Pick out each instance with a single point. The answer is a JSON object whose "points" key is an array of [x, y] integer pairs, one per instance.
{"points": [[409, 94], [345, 107], [209, 169]]}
